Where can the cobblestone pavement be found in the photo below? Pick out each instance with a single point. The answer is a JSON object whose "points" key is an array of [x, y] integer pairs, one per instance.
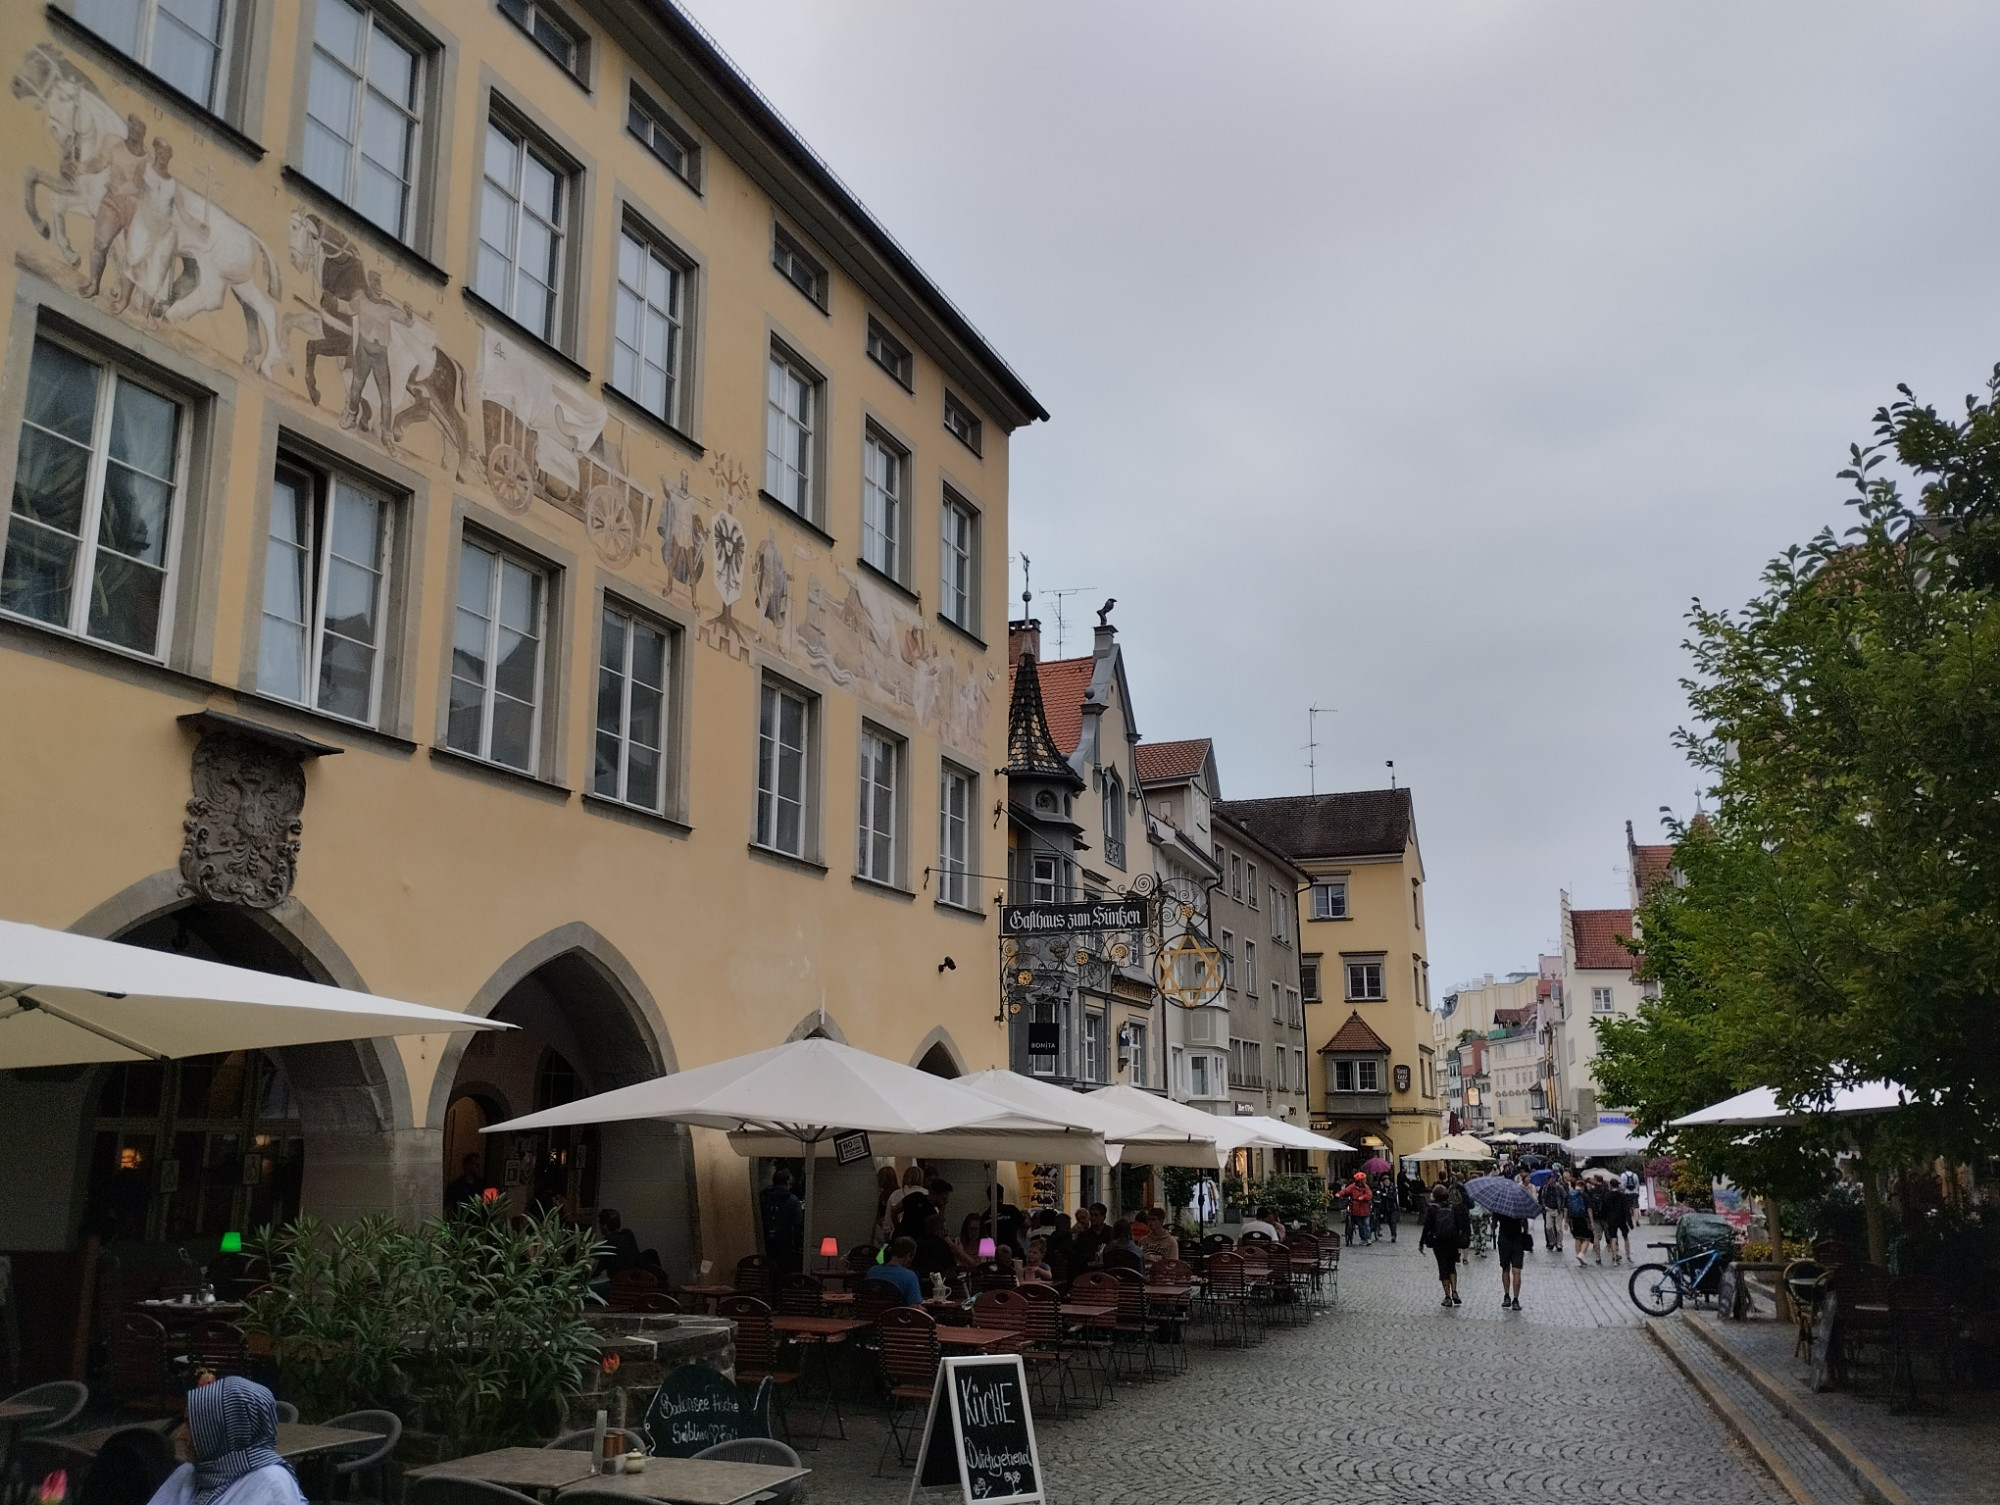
{"points": [[1390, 1398]]}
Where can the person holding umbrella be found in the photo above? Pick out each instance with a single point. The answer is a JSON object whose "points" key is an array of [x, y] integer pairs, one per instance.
{"points": [[1512, 1204]]}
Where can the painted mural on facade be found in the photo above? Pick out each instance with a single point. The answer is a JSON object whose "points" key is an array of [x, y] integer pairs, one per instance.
{"points": [[343, 328]]}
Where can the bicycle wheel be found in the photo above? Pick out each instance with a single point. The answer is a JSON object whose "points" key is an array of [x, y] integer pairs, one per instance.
{"points": [[1655, 1290]]}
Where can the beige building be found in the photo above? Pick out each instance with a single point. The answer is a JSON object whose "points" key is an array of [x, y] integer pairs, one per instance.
{"points": [[1373, 1073], [497, 523], [1597, 983]]}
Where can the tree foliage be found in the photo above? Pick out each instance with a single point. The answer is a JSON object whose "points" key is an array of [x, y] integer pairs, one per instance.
{"points": [[1838, 917]]}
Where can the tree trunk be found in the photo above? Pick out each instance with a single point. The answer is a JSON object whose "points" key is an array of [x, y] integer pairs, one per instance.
{"points": [[1871, 1203]]}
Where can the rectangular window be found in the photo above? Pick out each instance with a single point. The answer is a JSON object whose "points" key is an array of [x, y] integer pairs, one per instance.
{"points": [[1330, 899], [1343, 1076], [1177, 1070], [326, 572], [1416, 904], [1250, 884], [1045, 881], [97, 482], [1295, 1014], [1229, 958], [1281, 1074], [363, 114], [1309, 978], [648, 321], [1277, 1003], [784, 752], [791, 411], [957, 792], [878, 829], [960, 421], [552, 31], [1235, 877], [798, 266], [1600, 1000], [496, 658], [1364, 981], [523, 211], [884, 480], [661, 135], [1198, 1075], [888, 352], [634, 662], [1139, 1068], [1249, 965], [1045, 1063], [1093, 1046], [1367, 1076], [958, 563], [183, 41]]}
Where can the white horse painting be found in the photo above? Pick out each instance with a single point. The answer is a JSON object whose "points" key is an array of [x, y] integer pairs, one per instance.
{"points": [[195, 254]]}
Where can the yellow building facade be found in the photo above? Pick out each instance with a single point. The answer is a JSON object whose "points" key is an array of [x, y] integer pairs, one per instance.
{"points": [[494, 522], [1372, 1060]]}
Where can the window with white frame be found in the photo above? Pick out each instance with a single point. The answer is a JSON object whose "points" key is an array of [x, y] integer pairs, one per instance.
{"points": [[1329, 899], [1357, 1076], [1235, 876], [1138, 1054], [1177, 1070], [878, 833], [888, 352], [663, 136], [784, 767], [1045, 884], [1198, 1074], [523, 218], [549, 29], [957, 797], [1050, 1017], [1600, 1001], [1229, 958], [1299, 1068], [1277, 1003], [1281, 1070], [649, 319], [1364, 979], [884, 483], [963, 424], [1281, 924], [95, 521], [797, 265], [634, 672], [185, 42], [958, 563], [1250, 884], [496, 658], [1309, 978], [1249, 965], [1295, 1012], [326, 576], [364, 119], [1093, 1046], [791, 413]]}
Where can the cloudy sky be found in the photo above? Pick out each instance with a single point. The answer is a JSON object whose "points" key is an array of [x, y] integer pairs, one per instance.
{"points": [[1423, 361]]}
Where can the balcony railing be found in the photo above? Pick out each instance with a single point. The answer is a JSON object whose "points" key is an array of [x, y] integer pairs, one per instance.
{"points": [[1357, 1104]]}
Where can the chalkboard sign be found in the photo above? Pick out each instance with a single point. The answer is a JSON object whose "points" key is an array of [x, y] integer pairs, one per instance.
{"points": [[980, 1434], [697, 1407]]}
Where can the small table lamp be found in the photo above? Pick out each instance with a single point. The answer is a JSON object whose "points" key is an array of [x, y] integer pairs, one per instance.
{"points": [[829, 1248], [986, 1248]]}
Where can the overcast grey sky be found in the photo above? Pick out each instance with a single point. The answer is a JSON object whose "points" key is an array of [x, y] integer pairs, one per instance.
{"points": [[1423, 361]]}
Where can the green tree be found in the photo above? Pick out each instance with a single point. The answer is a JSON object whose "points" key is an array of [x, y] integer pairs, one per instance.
{"points": [[1839, 917]]}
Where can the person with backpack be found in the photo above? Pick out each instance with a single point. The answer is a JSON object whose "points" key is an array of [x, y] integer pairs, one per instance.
{"points": [[1555, 1207], [1614, 1219], [1581, 1235], [1441, 1237]]}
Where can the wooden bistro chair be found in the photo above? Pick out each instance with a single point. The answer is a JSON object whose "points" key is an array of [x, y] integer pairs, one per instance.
{"points": [[627, 1286], [1007, 1307], [658, 1303], [1104, 1288], [1921, 1324], [1304, 1249], [1230, 1296], [909, 1374], [755, 1276], [219, 1348], [801, 1296], [1050, 1332], [139, 1365], [758, 1356]]}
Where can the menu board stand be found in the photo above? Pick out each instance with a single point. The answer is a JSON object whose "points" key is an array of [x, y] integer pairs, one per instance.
{"points": [[980, 1434]]}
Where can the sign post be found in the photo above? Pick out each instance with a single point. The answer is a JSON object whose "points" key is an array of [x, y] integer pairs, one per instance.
{"points": [[980, 1434]]}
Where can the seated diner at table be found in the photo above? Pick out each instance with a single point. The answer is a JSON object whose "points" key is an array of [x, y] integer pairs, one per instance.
{"points": [[1036, 1265], [232, 1428], [1158, 1242], [895, 1272], [970, 1233]]}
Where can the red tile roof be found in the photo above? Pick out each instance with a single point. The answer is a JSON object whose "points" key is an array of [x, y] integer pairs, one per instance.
{"points": [[1063, 682], [1512, 1016], [1544, 988], [1597, 933], [1172, 760], [1649, 866], [1355, 1035]]}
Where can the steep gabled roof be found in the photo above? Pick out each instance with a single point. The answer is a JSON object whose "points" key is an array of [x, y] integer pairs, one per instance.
{"points": [[1596, 932], [1064, 681], [1363, 823], [1355, 1036], [1649, 865], [1031, 747], [1172, 760]]}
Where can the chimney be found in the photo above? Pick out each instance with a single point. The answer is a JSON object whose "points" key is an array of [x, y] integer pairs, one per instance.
{"points": [[1024, 636], [1106, 634]]}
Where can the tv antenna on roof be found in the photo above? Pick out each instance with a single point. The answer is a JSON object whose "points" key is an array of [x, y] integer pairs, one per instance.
{"points": [[1313, 713], [1060, 594]]}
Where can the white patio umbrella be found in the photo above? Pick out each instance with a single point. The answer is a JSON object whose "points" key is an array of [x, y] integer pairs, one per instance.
{"points": [[1128, 1135], [1540, 1136], [69, 999], [1277, 1134], [1607, 1139], [795, 1097], [1760, 1108], [1453, 1147], [1225, 1133]]}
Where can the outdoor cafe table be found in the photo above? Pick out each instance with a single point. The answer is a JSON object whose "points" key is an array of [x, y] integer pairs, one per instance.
{"points": [[1090, 1312], [705, 1294], [179, 1313], [296, 1439], [693, 1481], [820, 1334], [978, 1339]]}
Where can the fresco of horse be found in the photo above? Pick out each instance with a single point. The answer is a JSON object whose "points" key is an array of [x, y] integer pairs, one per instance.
{"points": [[425, 382], [197, 256]]}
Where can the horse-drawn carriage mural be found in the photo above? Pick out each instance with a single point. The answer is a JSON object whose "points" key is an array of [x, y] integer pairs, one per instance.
{"points": [[548, 438]]}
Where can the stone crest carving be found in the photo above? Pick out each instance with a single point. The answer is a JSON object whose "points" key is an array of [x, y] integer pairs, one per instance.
{"points": [[243, 826]]}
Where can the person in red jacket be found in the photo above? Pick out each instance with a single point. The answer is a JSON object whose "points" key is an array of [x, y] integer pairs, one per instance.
{"points": [[1359, 1202]]}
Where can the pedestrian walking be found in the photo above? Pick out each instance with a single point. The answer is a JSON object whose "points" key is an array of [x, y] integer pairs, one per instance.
{"points": [[1386, 1210], [1360, 1205], [1555, 1207], [1514, 1240], [1441, 1236], [1581, 1236], [1615, 1219]]}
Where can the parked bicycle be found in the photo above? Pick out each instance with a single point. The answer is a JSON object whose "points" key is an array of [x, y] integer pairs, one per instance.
{"points": [[1659, 1289]]}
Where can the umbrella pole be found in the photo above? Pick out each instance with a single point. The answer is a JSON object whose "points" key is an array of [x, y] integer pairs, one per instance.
{"points": [[809, 1147]]}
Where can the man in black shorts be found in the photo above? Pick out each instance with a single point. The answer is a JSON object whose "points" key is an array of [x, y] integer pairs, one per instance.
{"points": [[1513, 1240]]}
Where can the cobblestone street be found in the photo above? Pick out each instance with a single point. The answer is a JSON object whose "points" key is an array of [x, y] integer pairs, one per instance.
{"points": [[1389, 1398]]}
